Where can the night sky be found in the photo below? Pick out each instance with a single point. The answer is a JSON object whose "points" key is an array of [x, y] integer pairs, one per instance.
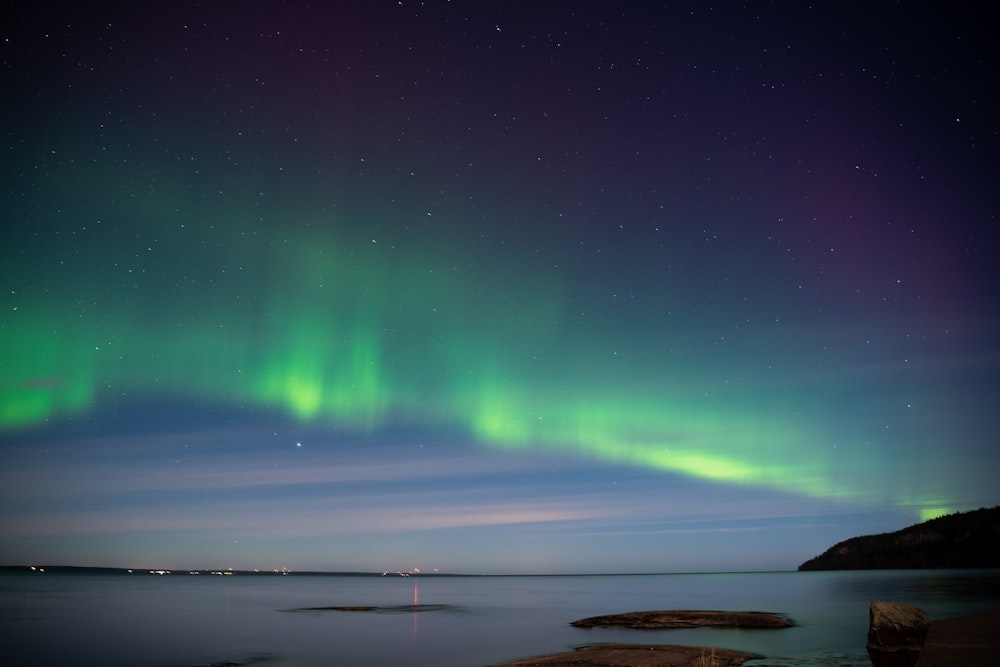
{"points": [[494, 287]]}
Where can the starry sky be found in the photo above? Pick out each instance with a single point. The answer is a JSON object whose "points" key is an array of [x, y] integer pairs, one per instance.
{"points": [[509, 287]]}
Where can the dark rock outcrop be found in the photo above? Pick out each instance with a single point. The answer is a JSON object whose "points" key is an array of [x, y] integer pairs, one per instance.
{"points": [[896, 633], [961, 642], [663, 620], [967, 539]]}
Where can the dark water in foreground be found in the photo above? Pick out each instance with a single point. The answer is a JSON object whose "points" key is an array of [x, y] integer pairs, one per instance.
{"points": [[179, 619]]}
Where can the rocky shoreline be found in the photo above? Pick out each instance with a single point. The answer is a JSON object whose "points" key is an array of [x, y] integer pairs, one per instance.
{"points": [[900, 635]]}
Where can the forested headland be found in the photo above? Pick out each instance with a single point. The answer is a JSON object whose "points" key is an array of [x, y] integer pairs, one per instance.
{"points": [[963, 540]]}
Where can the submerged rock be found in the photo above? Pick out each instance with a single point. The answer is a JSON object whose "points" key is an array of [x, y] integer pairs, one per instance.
{"points": [[663, 620], [638, 655]]}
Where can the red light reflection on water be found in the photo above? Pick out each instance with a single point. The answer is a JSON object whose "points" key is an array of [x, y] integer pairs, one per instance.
{"points": [[416, 601]]}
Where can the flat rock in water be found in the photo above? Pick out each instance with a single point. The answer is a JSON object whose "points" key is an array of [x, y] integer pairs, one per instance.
{"points": [[664, 620], [638, 655]]}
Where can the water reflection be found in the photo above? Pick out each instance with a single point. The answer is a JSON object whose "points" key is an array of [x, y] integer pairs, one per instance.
{"points": [[941, 593], [475, 620]]}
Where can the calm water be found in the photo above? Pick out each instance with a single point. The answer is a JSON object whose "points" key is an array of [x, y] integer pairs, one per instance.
{"points": [[146, 620]]}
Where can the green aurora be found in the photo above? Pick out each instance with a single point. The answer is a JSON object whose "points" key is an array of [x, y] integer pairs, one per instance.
{"points": [[375, 333]]}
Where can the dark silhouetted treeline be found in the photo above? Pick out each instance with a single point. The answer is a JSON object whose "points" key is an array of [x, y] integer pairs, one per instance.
{"points": [[966, 539]]}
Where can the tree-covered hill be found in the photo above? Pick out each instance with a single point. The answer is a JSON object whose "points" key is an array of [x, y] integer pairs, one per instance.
{"points": [[966, 539]]}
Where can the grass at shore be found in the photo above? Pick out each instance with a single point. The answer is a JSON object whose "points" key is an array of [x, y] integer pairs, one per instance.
{"points": [[706, 659]]}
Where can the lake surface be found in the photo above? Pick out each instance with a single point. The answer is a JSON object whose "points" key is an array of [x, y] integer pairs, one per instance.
{"points": [[179, 619]]}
